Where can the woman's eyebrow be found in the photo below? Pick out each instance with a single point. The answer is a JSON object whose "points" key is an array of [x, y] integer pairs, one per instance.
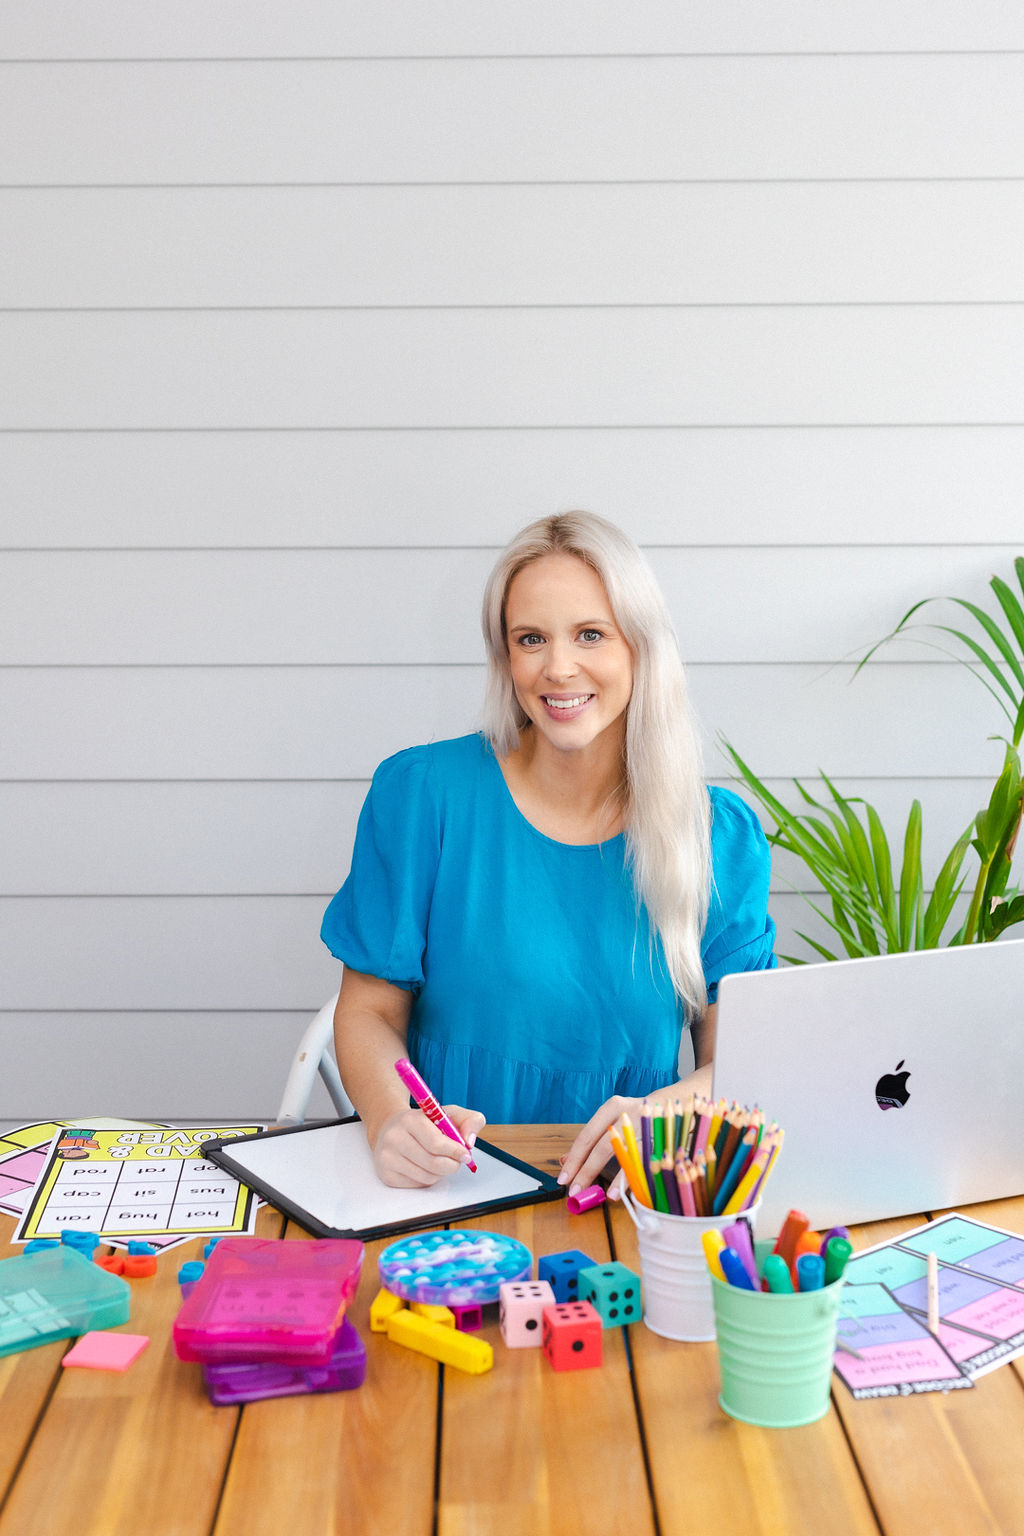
{"points": [[516, 629]]}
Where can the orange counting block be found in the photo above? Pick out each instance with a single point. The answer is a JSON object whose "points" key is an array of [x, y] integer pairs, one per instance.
{"points": [[138, 1265]]}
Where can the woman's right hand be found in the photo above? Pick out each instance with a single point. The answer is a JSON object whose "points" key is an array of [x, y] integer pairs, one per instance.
{"points": [[411, 1153]]}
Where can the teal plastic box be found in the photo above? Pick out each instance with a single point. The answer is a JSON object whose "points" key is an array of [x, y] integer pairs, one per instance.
{"points": [[56, 1293]]}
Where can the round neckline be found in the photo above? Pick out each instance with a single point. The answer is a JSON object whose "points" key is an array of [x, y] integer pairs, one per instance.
{"points": [[554, 841]]}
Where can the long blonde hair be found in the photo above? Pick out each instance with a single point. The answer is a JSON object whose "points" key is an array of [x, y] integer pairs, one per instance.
{"points": [[667, 809]]}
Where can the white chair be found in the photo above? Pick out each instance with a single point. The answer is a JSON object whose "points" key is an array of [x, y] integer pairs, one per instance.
{"points": [[315, 1054]]}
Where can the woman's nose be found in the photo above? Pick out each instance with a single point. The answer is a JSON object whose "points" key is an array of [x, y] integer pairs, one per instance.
{"points": [[560, 661]]}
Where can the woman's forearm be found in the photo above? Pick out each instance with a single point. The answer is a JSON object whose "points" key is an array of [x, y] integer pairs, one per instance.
{"points": [[370, 1034]]}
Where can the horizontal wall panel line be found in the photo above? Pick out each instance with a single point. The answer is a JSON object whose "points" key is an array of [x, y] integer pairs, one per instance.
{"points": [[785, 888], [341, 779], [981, 302], [575, 181], [288, 895], [515, 119], [449, 57], [405, 547], [410, 28], [300, 1013], [766, 606], [315, 429], [197, 429], [824, 666], [489, 547], [837, 778]]}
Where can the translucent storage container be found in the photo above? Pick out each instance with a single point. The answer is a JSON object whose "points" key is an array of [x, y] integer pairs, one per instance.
{"points": [[56, 1293], [240, 1382], [268, 1300]]}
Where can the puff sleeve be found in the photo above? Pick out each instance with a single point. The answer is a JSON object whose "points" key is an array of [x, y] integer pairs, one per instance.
{"points": [[739, 934], [377, 923]]}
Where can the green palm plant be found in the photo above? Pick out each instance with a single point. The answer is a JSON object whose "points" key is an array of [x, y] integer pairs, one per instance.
{"points": [[873, 908]]}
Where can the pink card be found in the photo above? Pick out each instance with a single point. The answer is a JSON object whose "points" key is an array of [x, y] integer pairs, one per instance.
{"points": [[106, 1351]]}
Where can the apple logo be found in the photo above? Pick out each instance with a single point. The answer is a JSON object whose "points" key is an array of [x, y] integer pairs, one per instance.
{"points": [[891, 1090]]}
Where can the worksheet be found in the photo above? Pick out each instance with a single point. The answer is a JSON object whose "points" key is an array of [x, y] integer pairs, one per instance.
{"points": [[980, 1301], [887, 1351], [144, 1183], [24, 1150]]}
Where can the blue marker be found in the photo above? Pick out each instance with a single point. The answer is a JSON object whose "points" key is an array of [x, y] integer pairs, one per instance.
{"points": [[735, 1269], [810, 1271]]}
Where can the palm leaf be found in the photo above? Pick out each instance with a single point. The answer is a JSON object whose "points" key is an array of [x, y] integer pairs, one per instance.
{"points": [[911, 882], [945, 892], [1011, 607]]}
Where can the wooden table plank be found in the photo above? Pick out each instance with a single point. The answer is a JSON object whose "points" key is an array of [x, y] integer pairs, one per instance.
{"points": [[360, 1461], [943, 1461], [525, 1449], [754, 1480], [116, 1454]]}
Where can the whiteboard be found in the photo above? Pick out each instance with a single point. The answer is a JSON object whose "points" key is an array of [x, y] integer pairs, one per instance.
{"points": [[323, 1177]]}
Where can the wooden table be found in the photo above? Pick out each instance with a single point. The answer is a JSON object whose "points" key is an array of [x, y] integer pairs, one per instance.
{"points": [[639, 1446]]}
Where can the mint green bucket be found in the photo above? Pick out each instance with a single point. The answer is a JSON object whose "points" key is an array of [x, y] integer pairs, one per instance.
{"points": [[775, 1353]]}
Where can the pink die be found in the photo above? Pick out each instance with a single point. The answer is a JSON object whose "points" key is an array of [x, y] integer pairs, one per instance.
{"points": [[521, 1309]]}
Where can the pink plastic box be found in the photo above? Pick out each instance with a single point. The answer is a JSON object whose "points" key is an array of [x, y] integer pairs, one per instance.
{"points": [[259, 1300]]}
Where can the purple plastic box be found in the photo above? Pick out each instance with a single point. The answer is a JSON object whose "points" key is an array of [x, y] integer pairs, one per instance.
{"points": [[242, 1383]]}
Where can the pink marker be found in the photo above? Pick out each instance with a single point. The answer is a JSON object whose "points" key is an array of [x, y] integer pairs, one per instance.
{"points": [[430, 1107]]}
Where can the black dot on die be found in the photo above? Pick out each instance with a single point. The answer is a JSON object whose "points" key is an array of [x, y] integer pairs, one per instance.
{"points": [[531, 1322], [577, 1345]]}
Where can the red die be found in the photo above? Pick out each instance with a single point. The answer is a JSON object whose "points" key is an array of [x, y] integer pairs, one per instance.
{"points": [[571, 1335]]}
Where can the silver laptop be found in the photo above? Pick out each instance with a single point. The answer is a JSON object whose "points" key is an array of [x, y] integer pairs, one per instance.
{"points": [[899, 1081]]}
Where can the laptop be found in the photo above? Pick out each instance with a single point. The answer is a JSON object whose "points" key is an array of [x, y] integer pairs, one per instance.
{"points": [[898, 1080]]}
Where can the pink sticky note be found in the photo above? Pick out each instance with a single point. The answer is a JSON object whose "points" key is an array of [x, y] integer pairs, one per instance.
{"points": [[107, 1351]]}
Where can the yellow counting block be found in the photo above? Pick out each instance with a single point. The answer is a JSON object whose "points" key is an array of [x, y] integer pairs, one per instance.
{"points": [[434, 1313], [383, 1306], [448, 1345]]}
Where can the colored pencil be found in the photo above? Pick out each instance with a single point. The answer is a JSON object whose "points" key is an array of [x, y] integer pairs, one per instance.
{"points": [[629, 1168], [703, 1158], [658, 1187], [933, 1292], [671, 1187]]}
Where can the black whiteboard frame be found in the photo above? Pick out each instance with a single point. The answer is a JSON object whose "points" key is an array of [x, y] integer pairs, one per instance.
{"points": [[223, 1153]]}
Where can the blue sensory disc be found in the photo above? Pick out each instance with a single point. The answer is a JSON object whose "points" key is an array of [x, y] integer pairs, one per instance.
{"points": [[460, 1268]]}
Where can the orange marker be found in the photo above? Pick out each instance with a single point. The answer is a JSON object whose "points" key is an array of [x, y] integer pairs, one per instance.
{"points": [[793, 1228]]}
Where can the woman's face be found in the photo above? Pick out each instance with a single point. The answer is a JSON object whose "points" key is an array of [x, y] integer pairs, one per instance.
{"points": [[571, 668]]}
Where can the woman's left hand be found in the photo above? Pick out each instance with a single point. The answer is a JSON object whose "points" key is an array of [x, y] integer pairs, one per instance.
{"points": [[592, 1148]]}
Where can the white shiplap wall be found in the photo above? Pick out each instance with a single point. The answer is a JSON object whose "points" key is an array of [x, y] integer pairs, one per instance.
{"points": [[304, 309]]}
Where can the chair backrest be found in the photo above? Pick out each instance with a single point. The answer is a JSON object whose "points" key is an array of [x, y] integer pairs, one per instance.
{"points": [[313, 1055]]}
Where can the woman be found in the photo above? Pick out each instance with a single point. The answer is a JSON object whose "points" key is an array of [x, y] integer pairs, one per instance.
{"points": [[535, 913]]}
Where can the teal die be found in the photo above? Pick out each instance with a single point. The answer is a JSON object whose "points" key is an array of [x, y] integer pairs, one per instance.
{"points": [[614, 1292]]}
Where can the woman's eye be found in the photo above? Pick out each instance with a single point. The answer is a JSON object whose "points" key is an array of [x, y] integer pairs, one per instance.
{"points": [[528, 641], [591, 635]]}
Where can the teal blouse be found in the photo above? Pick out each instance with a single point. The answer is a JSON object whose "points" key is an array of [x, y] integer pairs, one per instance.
{"points": [[538, 988]]}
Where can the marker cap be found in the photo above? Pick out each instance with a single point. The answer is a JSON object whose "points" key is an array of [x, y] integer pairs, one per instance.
{"points": [[585, 1199]]}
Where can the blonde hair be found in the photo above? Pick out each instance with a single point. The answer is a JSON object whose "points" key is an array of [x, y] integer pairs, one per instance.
{"points": [[667, 808]]}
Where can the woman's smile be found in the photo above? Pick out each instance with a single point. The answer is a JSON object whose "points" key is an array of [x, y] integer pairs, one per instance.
{"points": [[566, 708]]}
